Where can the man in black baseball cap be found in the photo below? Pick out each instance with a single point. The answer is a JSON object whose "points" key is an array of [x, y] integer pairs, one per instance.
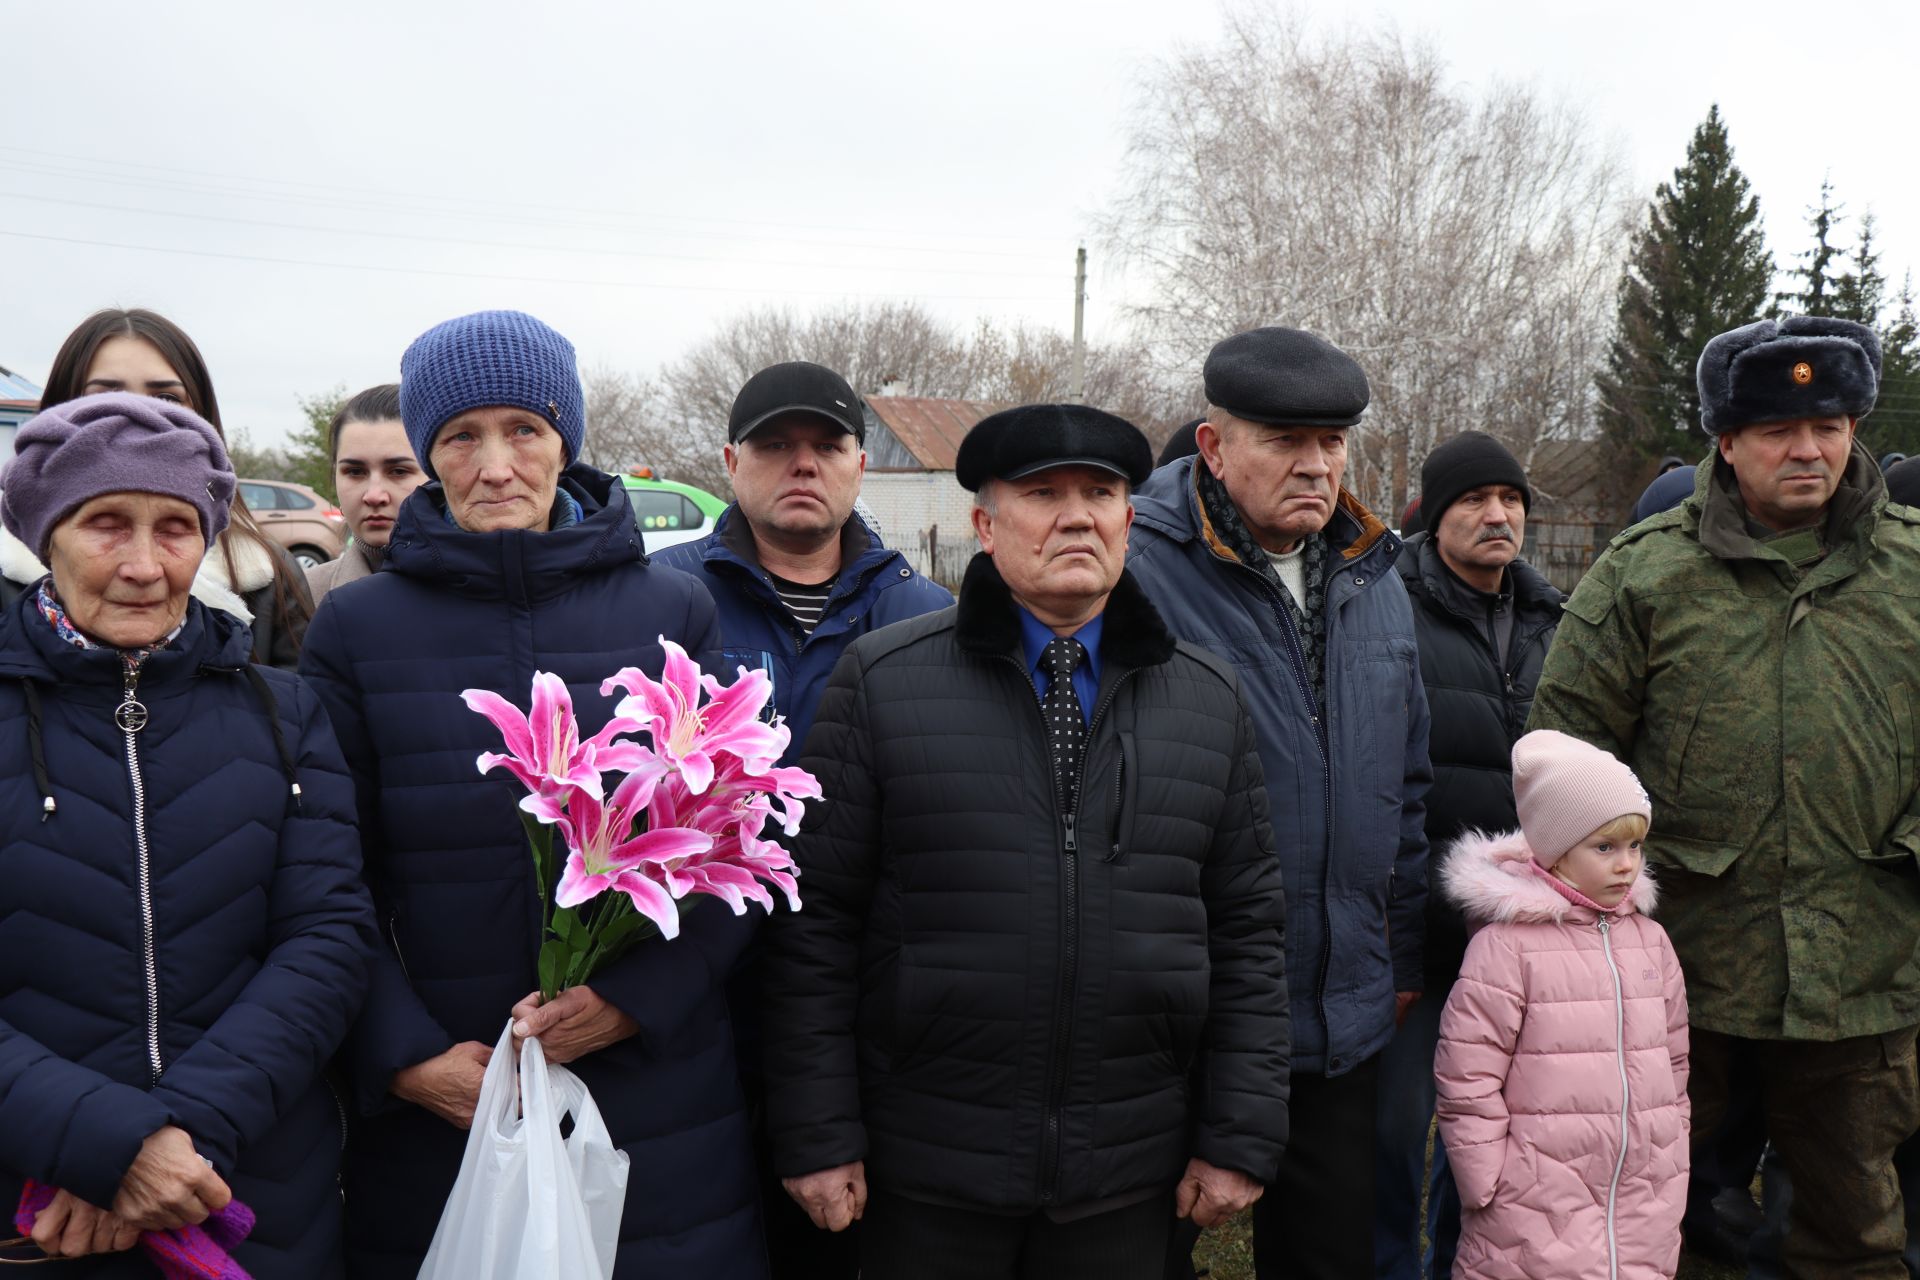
{"points": [[1045, 846], [797, 576], [1253, 549]]}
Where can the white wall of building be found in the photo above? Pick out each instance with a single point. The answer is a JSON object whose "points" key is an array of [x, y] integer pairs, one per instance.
{"points": [[926, 517]]}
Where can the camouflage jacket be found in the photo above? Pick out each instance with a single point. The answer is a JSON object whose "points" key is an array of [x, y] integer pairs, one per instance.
{"points": [[1766, 694]]}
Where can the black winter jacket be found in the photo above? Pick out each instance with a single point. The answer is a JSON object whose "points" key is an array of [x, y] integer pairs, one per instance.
{"points": [[995, 1008], [1479, 712], [453, 881], [260, 931]]}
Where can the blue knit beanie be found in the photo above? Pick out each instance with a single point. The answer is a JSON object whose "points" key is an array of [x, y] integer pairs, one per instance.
{"points": [[490, 358]]}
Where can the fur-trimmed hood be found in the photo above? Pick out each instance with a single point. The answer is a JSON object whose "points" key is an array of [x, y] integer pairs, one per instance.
{"points": [[1494, 880], [252, 566]]}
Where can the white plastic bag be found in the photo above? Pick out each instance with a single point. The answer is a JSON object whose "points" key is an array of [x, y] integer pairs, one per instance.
{"points": [[529, 1205]]}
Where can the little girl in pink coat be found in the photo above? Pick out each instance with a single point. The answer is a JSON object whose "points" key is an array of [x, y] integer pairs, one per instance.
{"points": [[1562, 1067]]}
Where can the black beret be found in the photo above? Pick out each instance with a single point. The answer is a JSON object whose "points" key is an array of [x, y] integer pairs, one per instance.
{"points": [[1286, 377], [1032, 437], [1181, 444], [1801, 367]]}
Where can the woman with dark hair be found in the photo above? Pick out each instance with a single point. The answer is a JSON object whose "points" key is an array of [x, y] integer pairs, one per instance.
{"points": [[248, 575], [373, 472]]}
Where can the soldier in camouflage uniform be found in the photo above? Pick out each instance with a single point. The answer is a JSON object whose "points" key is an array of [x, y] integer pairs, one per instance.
{"points": [[1755, 655]]}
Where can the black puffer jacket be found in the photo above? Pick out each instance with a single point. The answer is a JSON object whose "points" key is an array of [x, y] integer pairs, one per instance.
{"points": [[992, 1010], [1479, 712]]}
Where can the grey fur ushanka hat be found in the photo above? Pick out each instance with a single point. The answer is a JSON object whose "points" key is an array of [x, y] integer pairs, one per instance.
{"points": [[1799, 367]]}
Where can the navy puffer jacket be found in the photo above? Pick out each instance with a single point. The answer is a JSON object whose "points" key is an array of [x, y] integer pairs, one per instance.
{"points": [[1349, 798], [875, 588], [261, 930], [452, 879]]}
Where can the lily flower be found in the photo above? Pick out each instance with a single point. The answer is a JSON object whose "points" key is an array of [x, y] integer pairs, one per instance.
{"points": [[603, 853], [692, 718], [781, 790], [543, 745]]}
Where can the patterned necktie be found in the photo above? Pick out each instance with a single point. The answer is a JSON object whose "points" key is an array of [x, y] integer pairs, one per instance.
{"points": [[1066, 730]]}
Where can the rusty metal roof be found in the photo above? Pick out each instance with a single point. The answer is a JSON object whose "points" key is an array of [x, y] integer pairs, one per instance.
{"points": [[930, 429]]}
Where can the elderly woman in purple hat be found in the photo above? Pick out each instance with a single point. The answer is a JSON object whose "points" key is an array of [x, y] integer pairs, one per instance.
{"points": [[184, 935]]}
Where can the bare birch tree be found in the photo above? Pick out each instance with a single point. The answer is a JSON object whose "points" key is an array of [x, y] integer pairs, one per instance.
{"points": [[1462, 247], [900, 343]]}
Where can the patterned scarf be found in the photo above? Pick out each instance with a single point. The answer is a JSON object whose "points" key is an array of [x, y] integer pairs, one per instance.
{"points": [[56, 615], [1309, 622]]}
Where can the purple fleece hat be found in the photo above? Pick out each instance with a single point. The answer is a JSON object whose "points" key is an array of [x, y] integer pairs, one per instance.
{"points": [[118, 442]]}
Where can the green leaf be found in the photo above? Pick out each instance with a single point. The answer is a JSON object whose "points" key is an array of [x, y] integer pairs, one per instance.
{"points": [[554, 958], [540, 842]]}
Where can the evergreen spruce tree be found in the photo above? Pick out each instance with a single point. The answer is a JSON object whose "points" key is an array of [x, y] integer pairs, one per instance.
{"points": [[1700, 266], [1860, 292], [1815, 296], [1894, 423]]}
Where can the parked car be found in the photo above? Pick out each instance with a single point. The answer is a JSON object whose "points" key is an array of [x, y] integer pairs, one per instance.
{"points": [[668, 512], [311, 529]]}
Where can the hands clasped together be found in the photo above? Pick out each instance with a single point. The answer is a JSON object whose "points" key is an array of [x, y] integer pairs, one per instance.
{"points": [[169, 1185]]}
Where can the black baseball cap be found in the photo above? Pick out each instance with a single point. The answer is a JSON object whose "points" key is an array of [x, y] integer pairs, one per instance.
{"points": [[796, 387]]}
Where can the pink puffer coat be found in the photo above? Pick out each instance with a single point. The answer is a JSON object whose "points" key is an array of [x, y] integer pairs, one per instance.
{"points": [[1562, 1074]]}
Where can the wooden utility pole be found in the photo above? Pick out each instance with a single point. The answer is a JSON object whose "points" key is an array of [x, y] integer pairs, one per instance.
{"points": [[1077, 389]]}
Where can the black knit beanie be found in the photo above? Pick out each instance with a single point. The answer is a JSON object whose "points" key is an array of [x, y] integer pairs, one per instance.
{"points": [[1467, 461]]}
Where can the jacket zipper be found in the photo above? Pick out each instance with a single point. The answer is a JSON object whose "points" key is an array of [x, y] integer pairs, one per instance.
{"points": [[1299, 663], [1626, 1102], [1070, 942], [1119, 802], [131, 716], [340, 1109]]}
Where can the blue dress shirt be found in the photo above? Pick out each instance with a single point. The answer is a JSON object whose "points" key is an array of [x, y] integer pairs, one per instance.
{"points": [[1034, 636]]}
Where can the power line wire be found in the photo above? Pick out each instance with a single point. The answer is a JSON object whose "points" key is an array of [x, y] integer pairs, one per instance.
{"points": [[511, 244], [414, 203], [472, 275]]}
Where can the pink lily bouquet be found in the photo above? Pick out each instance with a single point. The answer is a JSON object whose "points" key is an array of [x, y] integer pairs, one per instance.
{"points": [[684, 818]]}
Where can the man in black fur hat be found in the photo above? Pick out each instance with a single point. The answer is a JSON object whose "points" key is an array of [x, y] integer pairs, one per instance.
{"points": [[1035, 1006]]}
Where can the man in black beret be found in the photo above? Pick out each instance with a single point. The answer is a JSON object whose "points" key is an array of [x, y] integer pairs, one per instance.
{"points": [[1749, 653], [1035, 1007], [1485, 619], [1254, 551]]}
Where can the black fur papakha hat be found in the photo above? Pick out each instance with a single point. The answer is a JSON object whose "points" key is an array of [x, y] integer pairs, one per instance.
{"points": [[1033, 437], [1286, 378], [1800, 367]]}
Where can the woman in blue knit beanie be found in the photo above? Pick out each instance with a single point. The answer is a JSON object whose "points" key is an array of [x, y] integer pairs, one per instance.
{"points": [[515, 558]]}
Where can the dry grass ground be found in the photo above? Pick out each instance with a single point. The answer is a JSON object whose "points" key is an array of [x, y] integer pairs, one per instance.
{"points": [[1228, 1254]]}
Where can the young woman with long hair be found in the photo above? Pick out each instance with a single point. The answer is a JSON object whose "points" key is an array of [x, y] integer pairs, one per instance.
{"points": [[140, 351]]}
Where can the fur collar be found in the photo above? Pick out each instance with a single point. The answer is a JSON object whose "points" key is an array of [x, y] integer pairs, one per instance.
{"points": [[1494, 880], [252, 566], [1134, 636]]}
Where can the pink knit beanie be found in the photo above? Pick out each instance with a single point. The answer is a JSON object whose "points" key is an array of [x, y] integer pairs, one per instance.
{"points": [[1566, 790]]}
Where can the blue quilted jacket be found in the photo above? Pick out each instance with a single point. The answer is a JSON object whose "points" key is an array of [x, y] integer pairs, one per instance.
{"points": [[1349, 800], [453, 884], [260, 930], [875, 588]]}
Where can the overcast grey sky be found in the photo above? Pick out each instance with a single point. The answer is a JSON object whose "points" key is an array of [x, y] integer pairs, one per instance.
{"points": [[305, 188]]}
